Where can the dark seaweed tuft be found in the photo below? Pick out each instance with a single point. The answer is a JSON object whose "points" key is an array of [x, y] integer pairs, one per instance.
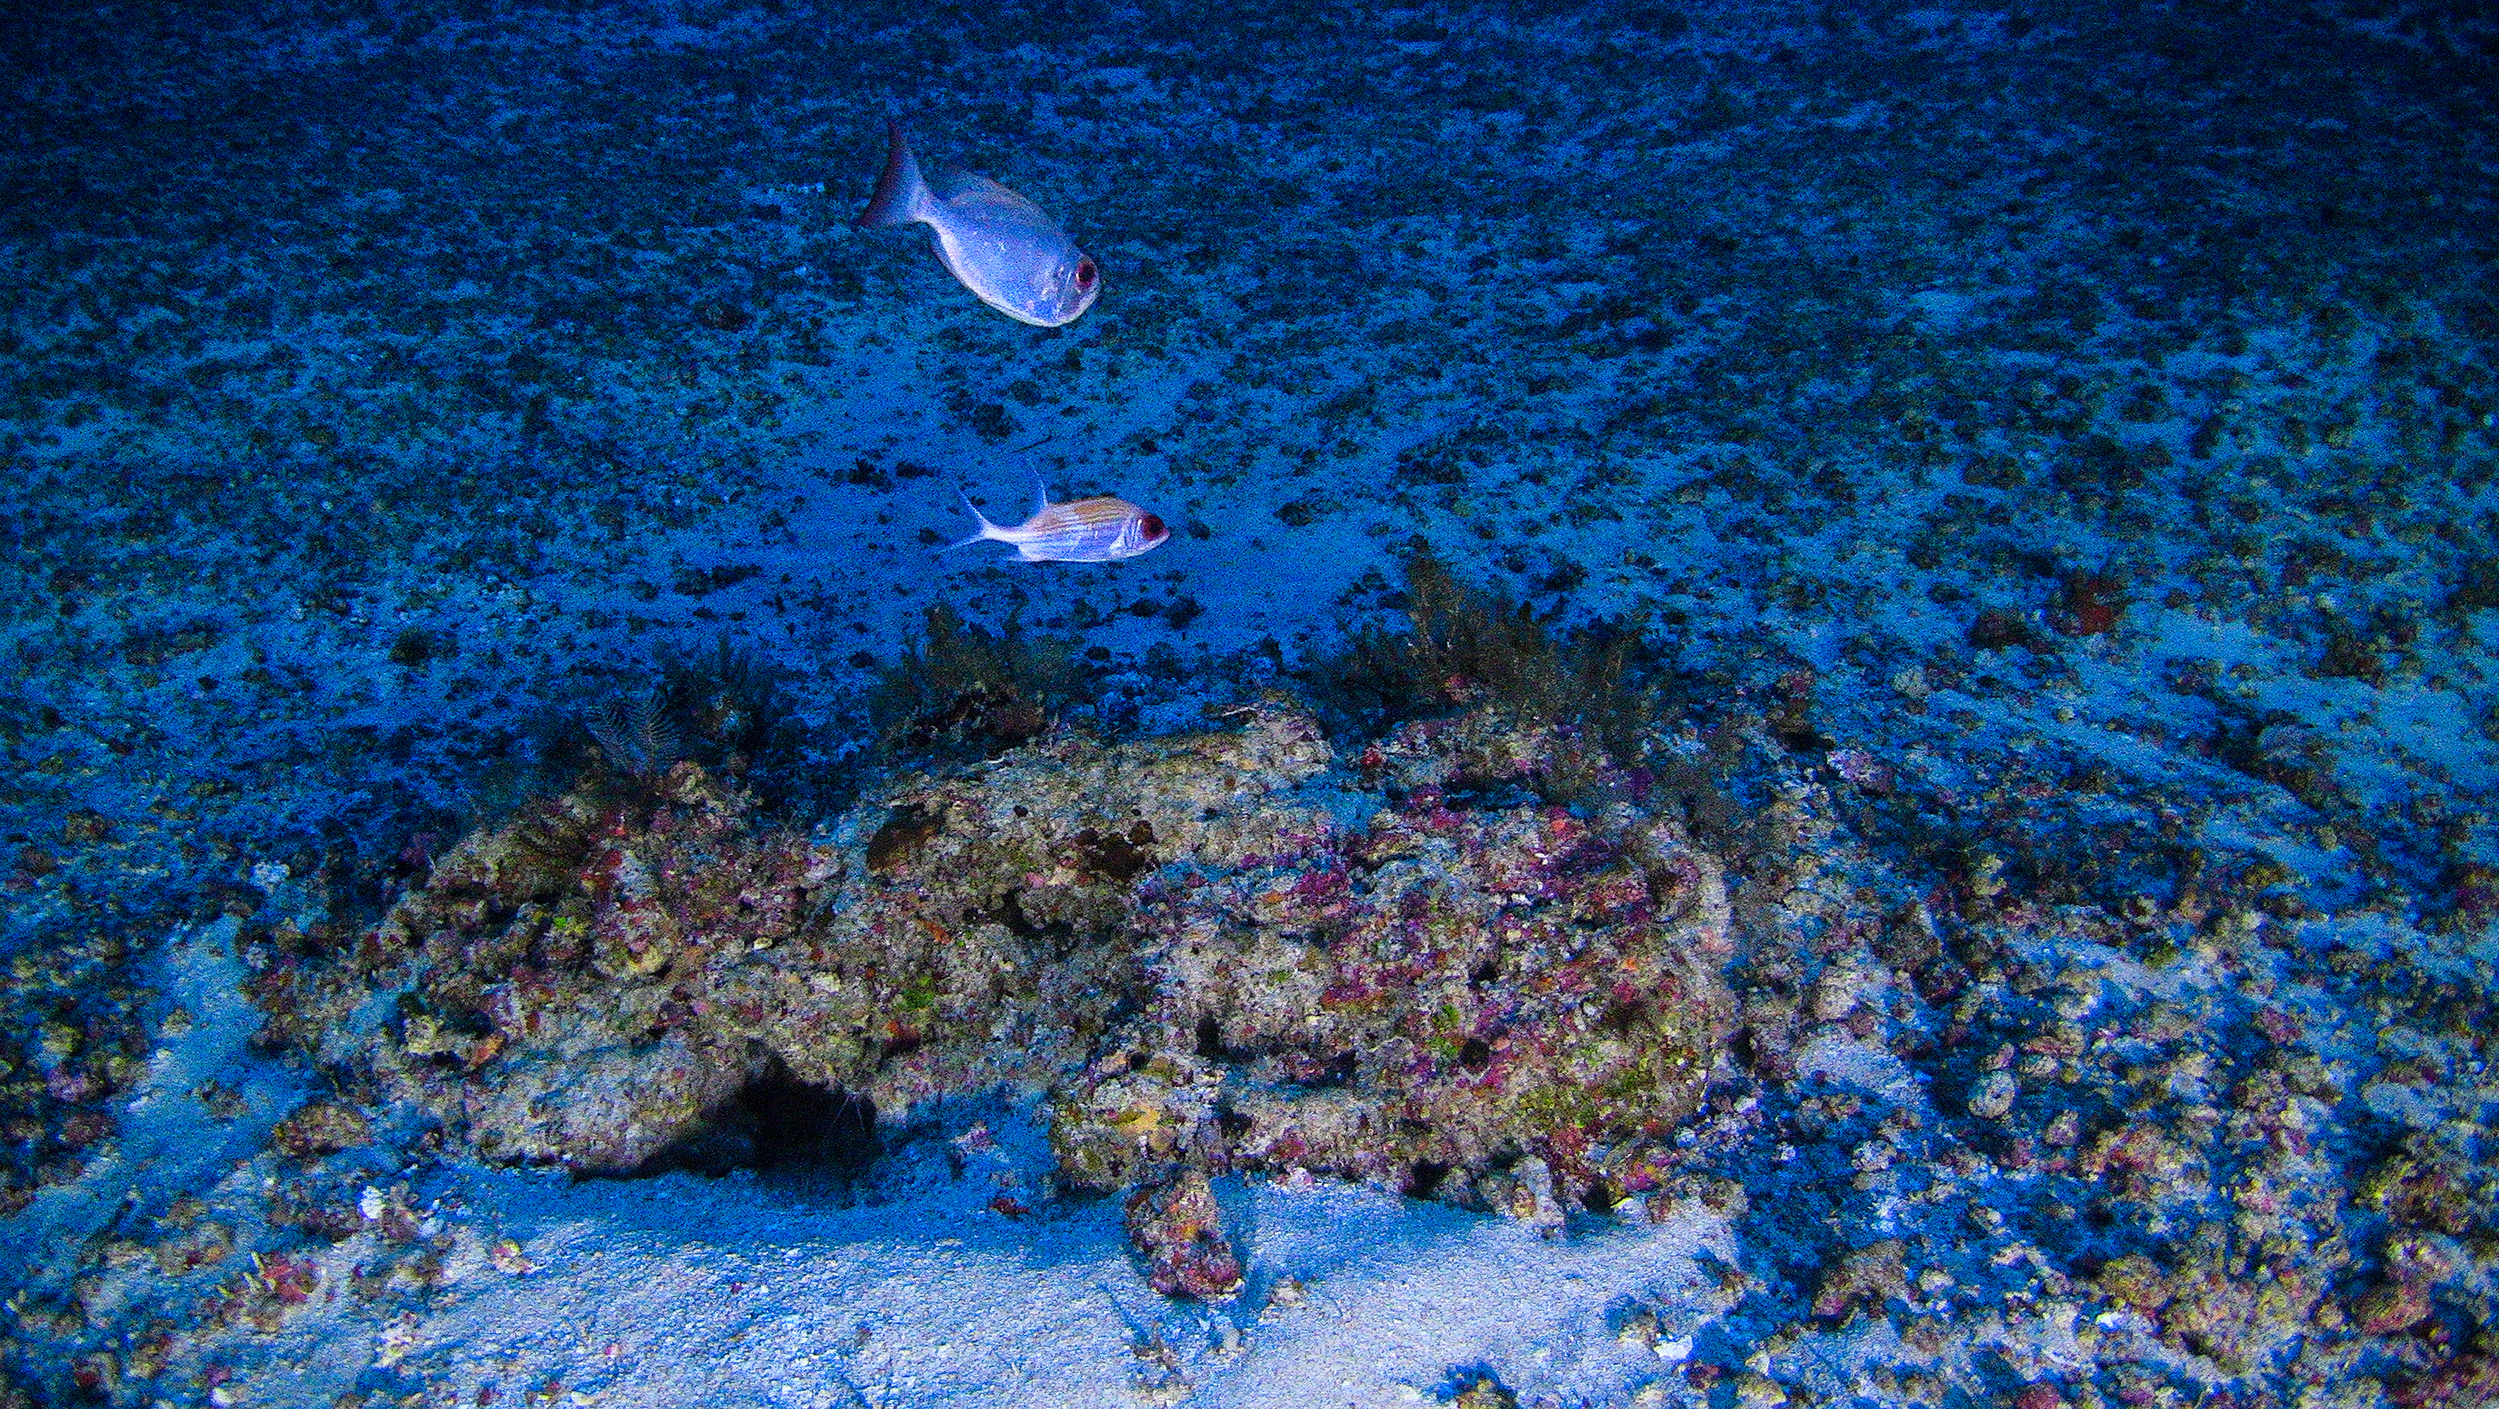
{"points": [[1465, 645], [966, 691]]}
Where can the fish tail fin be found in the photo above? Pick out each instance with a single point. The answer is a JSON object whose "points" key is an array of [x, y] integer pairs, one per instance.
{"points": [[987, 530], [901, 193]]}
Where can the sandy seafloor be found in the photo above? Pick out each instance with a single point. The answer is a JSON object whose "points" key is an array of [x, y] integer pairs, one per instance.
{"points": [[2076, 422]]}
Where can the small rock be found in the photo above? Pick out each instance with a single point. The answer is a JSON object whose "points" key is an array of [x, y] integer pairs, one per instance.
{"points": [[1528, 1196], [1287, 1293], [2392, 1306], [1484, 1393], [1179, 1229], [1867, 1276], [2135, 1281], [1835, 993], [509, 1259], [1758, 1391], [1997, 629], [1994, 1097], [323, 1128]]}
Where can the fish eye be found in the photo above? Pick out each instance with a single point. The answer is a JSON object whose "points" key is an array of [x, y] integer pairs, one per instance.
{"points": [[1151, 526], [1086, 273]]}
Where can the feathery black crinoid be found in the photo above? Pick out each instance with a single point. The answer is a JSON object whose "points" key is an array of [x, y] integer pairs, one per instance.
{"points": [[549, 844], [722, 706], [636, 736], [729, 701]]}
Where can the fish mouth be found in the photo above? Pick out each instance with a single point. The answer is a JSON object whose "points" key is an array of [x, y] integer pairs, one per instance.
{"points": [[1077, 309], [1079, 291], [1068, 311]]}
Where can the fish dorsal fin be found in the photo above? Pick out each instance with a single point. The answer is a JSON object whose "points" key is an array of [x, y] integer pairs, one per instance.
{"points": [[1041, 493]]}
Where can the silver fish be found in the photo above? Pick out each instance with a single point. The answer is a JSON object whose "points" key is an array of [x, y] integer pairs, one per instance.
{"points": [[1096, 530], [998, 244]]}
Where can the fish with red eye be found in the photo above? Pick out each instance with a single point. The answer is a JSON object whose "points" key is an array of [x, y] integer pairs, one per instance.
{"points": [[1100, 529], [996, 243]]}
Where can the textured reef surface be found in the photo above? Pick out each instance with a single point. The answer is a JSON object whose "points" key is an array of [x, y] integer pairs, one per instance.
{"points": [[1213, 953], [2071, 1146]]}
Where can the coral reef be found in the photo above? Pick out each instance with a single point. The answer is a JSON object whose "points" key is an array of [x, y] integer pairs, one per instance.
{"points": [[1204, 953], [2057, 442]]}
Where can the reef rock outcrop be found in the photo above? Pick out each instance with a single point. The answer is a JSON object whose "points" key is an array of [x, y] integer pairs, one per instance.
{"points": [[1204, 953]]}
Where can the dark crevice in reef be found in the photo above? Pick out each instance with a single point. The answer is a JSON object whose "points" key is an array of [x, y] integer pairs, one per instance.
{"points": [[780, 1125]]}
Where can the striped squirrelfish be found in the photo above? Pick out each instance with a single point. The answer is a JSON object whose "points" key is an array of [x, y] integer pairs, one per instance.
{"points": [[1096, 530], [998, 244]]}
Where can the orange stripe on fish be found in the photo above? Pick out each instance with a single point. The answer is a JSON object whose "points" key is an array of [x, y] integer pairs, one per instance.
{"points": [[1099, 529]]}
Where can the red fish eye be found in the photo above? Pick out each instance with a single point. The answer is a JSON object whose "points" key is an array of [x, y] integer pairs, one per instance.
{"points": [[1086, 273], [1151, 526]]}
